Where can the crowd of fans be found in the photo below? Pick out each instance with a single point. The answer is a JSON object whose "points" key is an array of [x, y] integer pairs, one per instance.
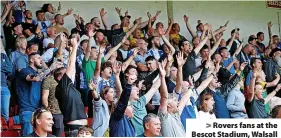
{"points": [[134, 79]]}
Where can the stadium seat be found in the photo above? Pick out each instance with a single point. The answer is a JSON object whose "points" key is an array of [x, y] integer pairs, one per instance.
{"points": [[4, 124], [90, 121], [13, 125]]}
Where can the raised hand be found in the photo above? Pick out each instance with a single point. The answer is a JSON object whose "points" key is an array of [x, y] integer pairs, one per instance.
{"points": [[74, 42], [243, 65], [170, 57], [148, 15], [126, 13], [102, 12], [132, 78], [269, 24], [170, 21], [185, 18], [59, 7], [162, 70], [118, 10], [8, 6], [135, 52], [180, 59], [69, 11], [225, 25], [116, 68], [92, 85], [158, 13]]}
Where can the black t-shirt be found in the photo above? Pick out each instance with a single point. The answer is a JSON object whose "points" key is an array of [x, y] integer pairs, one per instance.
{"points": [[30, 26], [9, 37], [113, 36], [33, 134], [189, 68], [70, 101]]}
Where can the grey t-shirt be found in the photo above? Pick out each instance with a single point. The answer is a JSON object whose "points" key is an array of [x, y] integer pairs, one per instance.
{"points": [[257, 109], [171, 125]]}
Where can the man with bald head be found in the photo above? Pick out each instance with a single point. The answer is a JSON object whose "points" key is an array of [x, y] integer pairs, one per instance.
{"points": [[59, 24], [49, 41]]}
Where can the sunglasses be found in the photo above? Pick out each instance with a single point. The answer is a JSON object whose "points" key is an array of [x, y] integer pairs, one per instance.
{"points": [[37, 114]]}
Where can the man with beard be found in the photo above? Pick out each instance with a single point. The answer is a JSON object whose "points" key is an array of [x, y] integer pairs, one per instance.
{"points": [[59, 24], [29, 90], [272, 66], [154, 49], [31, 31], [42, 121]]}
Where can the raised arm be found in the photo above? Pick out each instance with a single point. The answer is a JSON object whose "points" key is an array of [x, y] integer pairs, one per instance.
{"points": [[205, 83], [232, 37], [170, 23], [98, 64], [272, 94], [274, 82], [116, 69], [179, 80], [102, 14], [106, 57], [269, 25], [124, 98], [70, 70], [221, 29], [200, 45], [185, 98], [150, 30], [6, 11], [166, 41], [228, 67], [238, 50], [88, 49], [129, 60], [152, 90], [163, 90], [188, 26], [215, 47]]}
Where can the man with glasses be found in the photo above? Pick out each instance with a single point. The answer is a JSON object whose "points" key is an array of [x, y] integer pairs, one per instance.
{"points": [[42, 121]]}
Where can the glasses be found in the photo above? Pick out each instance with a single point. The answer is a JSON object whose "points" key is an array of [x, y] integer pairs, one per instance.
{"points": [[38, 112]]}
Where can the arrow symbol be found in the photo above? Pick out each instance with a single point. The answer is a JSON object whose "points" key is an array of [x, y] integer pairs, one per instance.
{"points": [[208, 125]]}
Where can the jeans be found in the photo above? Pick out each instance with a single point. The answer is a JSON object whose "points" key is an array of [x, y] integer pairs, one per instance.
{"points": [[5, 102], [25, 121], [58, 125]]}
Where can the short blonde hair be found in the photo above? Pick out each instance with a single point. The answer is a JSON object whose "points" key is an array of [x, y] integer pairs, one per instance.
{"points": [[19, 40]]}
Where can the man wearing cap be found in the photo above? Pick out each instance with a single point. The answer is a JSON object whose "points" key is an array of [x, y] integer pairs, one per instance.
{"points": [[236, 41], [272, 66]]}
